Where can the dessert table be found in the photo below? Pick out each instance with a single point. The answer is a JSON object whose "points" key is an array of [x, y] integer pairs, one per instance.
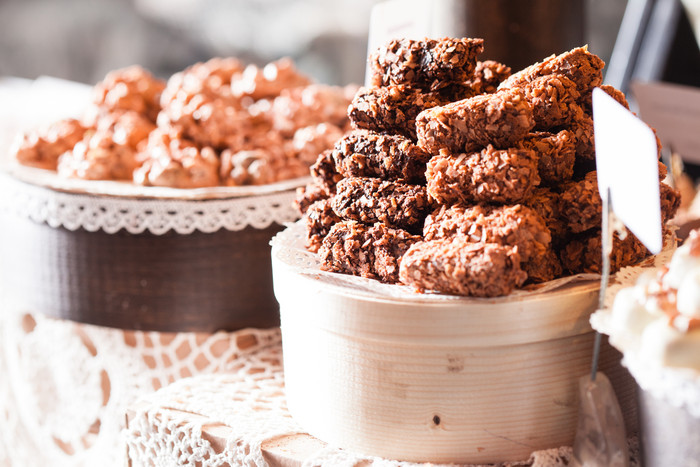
{"points": [[239, 417]]}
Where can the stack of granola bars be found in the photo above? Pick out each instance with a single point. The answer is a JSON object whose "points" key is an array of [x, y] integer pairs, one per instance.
{"points": [[463, 178]]}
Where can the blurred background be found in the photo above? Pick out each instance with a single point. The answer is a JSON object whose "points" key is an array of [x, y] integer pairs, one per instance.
{"points": [[82, 40]]}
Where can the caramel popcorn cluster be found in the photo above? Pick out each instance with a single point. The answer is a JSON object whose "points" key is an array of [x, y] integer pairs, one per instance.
{"points": [[215, 123]]}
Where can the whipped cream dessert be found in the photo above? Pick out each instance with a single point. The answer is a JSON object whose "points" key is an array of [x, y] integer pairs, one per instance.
{"points": [[659, 317]]}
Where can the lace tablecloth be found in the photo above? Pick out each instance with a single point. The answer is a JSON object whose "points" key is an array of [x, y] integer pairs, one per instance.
{"points": [[240, 418], [65, 386]]}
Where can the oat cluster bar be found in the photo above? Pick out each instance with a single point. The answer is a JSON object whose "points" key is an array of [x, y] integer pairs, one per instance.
{"points": [[371, 251], [390, 157], [459, 267], [471, 180], [426, 63], [488, 176]]}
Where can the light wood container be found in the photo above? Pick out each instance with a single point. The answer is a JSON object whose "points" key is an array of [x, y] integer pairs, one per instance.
{"points": [[434, 380]]}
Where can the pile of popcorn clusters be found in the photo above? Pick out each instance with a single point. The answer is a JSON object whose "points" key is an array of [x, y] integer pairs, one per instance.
{"points": [[215, 123], [463, 178]]}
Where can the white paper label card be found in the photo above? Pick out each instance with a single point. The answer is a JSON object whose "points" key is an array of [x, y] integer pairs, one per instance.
{"points": [[410, 19], [627, 165], [674, 111]]}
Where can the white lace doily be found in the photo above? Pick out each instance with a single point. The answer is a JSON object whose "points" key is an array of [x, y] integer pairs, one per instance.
{"points": [[139, 214], [65, 387], [288, 247], [174, 425]]}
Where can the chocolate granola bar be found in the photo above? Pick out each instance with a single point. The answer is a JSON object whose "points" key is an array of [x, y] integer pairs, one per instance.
{"points": [[542, 267], [545, 202], [324, 173], [392, 109], [369, 154], [619, 96], [489, 176], [556, 155], [553, 99], [582, 128], [580, 204], [428, 63], [371, 200], [499, 119], [670, 199], [319, 218], [517, 226], [579, 65], [457, 266], [368, 251], [488, 75], [308, 195], [583, 253]]}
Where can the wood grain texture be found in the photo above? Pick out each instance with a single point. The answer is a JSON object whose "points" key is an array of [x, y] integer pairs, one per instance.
{"points": [[463, 381], [202, 282], [522, 33]]}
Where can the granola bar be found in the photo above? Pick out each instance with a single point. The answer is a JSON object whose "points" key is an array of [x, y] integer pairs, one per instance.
{"points": [[582, 128], [670, 199], [556, 152], [580, 204], [308, 195], [427, 63], [369, 154], [611, 91], [516, 226], [488, 75], [545, 202], [579, 65], [499, 119], [542, 267], [391, 109], [324, 173], [457, 266], [583, 253], [489, 176], [371, 200], [319, 218], [368, 251], [553, 99]]}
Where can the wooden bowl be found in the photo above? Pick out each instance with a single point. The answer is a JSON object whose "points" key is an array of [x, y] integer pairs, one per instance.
{"points": [[436, 379], [165, 281]]}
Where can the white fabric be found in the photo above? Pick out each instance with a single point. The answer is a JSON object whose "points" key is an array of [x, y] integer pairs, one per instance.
{"points": [[136, 215], [65, 387]]}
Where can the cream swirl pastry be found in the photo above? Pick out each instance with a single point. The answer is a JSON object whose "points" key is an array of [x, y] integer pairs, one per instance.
{"points": [[660, 316]]}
